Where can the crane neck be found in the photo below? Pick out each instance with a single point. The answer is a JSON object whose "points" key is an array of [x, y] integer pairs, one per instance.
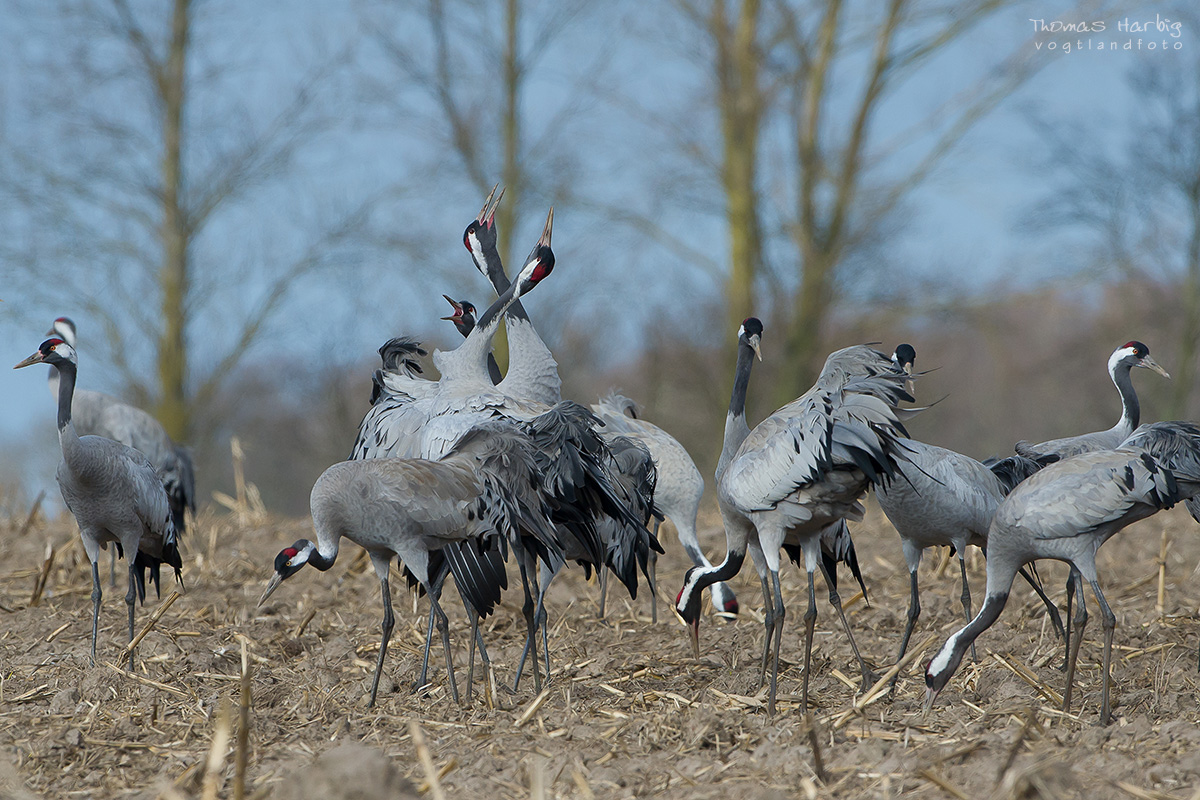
{"points": [[946, 662], [66, 373], [736, 429], [703, 577], [493, 368], [1131, 412], [323, 561], [493, 268]]}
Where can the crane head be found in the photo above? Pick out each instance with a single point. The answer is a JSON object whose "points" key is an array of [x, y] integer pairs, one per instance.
{"points": [[480, 234], [751, 334], [63, 328], [904, 357], [540, 261], [288, 563], [52, 351], [463, 316], [687, 605], [1136, 354]]}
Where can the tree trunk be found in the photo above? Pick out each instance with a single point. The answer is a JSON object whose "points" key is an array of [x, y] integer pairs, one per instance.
{"points": [[1185, 371], [173, 411], [740, 107], [506, 215], [803, 339]]}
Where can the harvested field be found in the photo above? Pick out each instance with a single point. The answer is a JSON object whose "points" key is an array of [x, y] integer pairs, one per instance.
{"points": [[629, 712]]}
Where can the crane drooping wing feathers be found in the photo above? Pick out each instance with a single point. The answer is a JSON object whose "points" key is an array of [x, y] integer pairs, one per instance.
{"points": [[1101, 490], [511, 502], [399, 356], [1176, 445], [823, 430], [629, 545]]}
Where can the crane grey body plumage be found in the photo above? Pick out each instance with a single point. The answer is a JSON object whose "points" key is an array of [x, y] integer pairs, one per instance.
{"points": [[113, 492], [419, 418], [679, 488], [1066, 512], [799, 473], [487, 486], [100, 414], [1120, 363], [945, 498]]}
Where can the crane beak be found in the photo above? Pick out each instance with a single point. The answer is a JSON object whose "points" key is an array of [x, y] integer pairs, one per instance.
{"points": [[481, 218], [694, 630], [930, 696], [545, 240], [458, 309], [1150, 363], [757, 349], [276, 579], [36, 358], [490, 219]]}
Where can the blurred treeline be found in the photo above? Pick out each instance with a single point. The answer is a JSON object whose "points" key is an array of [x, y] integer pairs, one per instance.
{"points": [[238, 203]]}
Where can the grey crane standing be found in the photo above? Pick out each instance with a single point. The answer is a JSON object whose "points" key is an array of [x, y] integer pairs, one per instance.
{"points": [[634, 465], [486, 486], [410, 415], [113, 492], [946, 498], [104, 415], [1120, 363], [797, 477], [1066, 512], [419, 418], [678, 491]]}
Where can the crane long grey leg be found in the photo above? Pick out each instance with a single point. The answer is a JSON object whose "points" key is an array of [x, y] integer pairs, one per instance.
{"points": [[112, 567], [97, 594], [652, 577], [780, 614], [539, 615], [1110, 624], [541, 623], [530, 629], [868, 675], [914, 611], [389, 621], [1067, 621], [966, 598], [471, 650], [131, 602], [769, 628], [443, 624], [810, 621], [1076, 636], [1051, 609], [602, 579], [435, 589]]}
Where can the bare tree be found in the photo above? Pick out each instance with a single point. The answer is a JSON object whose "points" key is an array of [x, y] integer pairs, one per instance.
{"points": [[462, 81], [810, 180], [1138, 206], [142, 151]]}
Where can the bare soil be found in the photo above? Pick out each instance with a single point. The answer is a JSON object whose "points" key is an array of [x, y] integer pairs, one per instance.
{"points": [[628, 713]]}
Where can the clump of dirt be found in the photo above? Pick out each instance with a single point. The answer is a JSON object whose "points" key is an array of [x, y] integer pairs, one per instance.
{"points": [[347, 772]]}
